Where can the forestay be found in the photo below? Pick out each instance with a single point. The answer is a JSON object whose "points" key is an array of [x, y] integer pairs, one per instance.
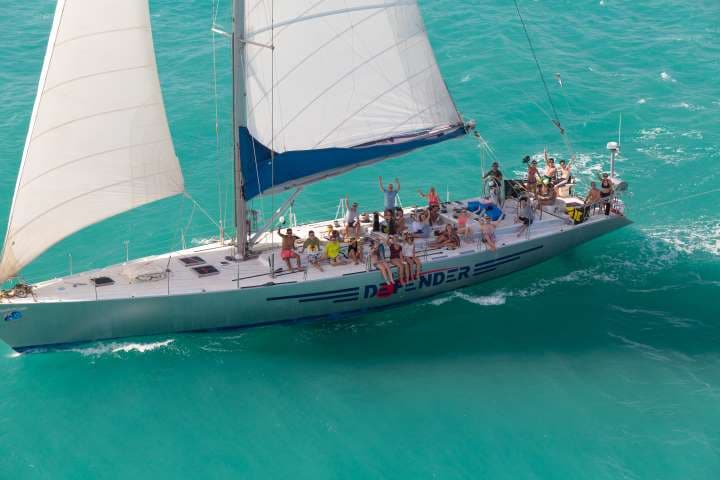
{"points": [[98, 143], [334, 84]]}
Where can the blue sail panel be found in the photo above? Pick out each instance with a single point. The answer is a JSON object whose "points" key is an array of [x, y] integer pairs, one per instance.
{"points": [[262, 171]]}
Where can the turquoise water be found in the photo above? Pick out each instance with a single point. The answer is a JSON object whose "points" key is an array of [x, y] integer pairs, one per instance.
{"points": [[604, 363]]}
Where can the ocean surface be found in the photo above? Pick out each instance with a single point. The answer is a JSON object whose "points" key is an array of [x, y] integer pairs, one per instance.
{"points": [[600, 364]]}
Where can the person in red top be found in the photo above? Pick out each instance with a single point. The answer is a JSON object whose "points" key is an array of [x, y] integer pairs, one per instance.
{"points": [[432, 196]]}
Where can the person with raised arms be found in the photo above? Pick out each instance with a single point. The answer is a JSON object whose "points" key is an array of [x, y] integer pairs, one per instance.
{"points": [[390, 193]]}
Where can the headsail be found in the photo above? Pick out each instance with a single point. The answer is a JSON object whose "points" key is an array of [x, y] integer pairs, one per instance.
{"points": [[346, 83], [99, 142]]}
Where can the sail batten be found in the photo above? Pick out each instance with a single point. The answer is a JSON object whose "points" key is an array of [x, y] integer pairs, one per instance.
{"points": [[98, 143], [340, 74]]}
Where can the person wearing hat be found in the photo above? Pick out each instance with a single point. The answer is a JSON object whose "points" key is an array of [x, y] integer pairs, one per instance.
{"points": [[352, 219]]}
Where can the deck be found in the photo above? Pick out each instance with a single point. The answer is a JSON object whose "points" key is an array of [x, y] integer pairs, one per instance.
{"points": [[215, 269]]}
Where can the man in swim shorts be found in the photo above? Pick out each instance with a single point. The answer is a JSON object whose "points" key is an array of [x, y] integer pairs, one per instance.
{"points": [[287, 250]]}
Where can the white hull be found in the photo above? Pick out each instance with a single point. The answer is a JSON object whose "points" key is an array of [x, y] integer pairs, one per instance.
{"points": [[290, 297]]}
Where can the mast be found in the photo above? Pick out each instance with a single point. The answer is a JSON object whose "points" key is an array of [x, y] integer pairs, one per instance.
{"points": [[239, 120]]}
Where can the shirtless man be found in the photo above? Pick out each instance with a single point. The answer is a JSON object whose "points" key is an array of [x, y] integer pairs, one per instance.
{"points": [[592, 199], [593, 195], [532, 177], [550, 168], [288, 248]]}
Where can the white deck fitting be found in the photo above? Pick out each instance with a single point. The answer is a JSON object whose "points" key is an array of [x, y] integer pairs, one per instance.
{"points": [[181, 279]]}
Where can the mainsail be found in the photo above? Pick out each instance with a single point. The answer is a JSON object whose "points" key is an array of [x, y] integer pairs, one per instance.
{"points": [[99, 142], [335, 84]]}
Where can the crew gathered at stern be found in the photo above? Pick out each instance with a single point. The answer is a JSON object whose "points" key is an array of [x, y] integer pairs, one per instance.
{"points": [[395, 239]]}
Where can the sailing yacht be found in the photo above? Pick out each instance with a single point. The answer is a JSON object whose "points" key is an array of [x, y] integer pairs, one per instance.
{"points": [[319, 88]]}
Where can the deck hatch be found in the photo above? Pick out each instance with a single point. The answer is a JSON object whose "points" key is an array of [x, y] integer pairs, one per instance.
{"points": [[192, 261], [102, 281], [206, 271]]}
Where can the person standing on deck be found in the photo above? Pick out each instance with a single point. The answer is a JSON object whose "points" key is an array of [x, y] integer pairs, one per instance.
{"points": [[533, 175], [390, 193], [352, 220], [606, 191], [524, 215], [550, 168], [593, 195], [287, 251], [494, 174], [432, 196]]}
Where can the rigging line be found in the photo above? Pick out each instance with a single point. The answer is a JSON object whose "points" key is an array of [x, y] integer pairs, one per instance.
{"points": [[215, 6], [681, 199], [202, 210], [556, 120], [272, 115]]}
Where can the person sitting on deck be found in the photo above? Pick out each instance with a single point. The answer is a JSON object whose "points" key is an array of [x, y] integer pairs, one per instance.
{"points": [[421, 224], [463, 227], [546, 195], [448, 238], [390, 193], [487, 230], [329, 232], [409, 256], [399, 220], [396, 258], [332, 250], [352, 219], [390, 225], [432, 196], [377, 259], [524, 215], [287, 250], [312, 247], [354, 251]]}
